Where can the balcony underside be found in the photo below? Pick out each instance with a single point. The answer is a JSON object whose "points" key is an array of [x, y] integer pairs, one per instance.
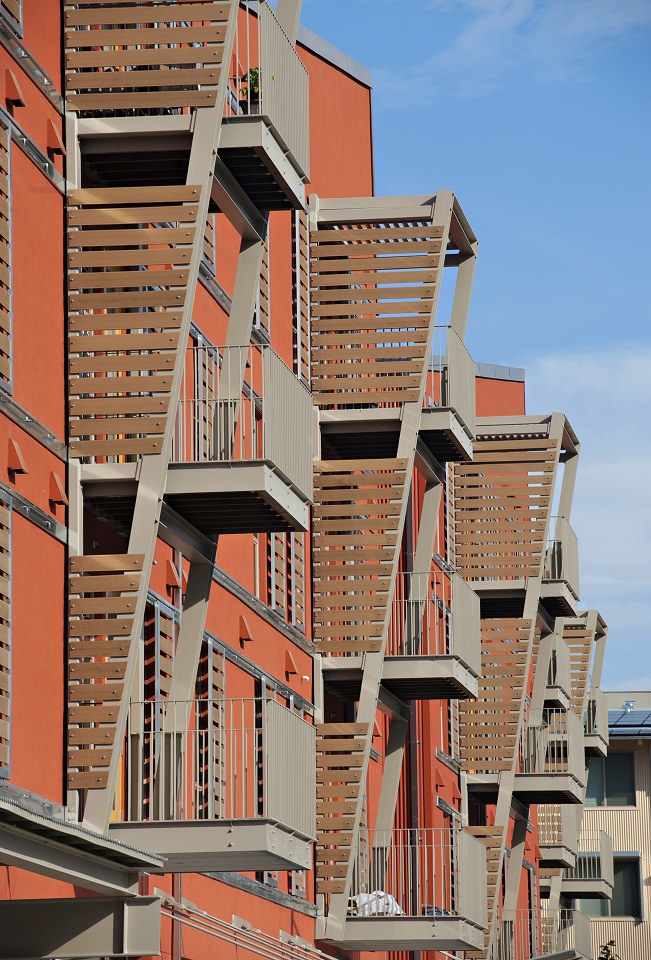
{"points": [[595, 888], [408, 678], [547, 788], [557, 855], [207, 846], [409, 933], [376, 431], [595, 745], [234, 497], [259, 164], [570, 954], [557, 697], [444, 436], [557, 598]]}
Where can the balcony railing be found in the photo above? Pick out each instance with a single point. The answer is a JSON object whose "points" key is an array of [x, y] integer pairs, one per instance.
{"points": [[452, 376], [596, 722], [219, 420], [240, 759], [593, 873], [431, 872], [433, 615], [270, 80], [562, 555], [552, 743], [557, 827], [559, 671], [523, 934]]}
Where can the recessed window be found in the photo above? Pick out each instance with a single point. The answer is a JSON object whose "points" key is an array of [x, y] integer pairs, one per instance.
{"points": [[611, 781], [626, 901]]}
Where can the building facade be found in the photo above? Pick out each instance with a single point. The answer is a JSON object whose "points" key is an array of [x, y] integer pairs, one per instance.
{"points": [[292, 660]]}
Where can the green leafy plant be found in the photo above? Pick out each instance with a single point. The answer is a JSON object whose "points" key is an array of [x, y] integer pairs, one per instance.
{"points": [[607, 952], [251, 81]]}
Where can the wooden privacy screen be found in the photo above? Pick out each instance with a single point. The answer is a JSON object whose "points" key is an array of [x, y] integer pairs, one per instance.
{"points": [[502, 507], [579, 638], [142, 56], [5, 253], [357, 505], [492, 838], [5, 636], [489, 726], [301, 293], [373, 290], [103, 592], [129, 255], [339, 763]]}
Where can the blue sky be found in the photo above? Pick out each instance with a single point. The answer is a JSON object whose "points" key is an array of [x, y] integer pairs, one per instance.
{"points": [[536, 114]]}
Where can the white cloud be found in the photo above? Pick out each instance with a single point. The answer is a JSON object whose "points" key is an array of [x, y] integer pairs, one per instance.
{"points": [[535, 40], [607, 398]]}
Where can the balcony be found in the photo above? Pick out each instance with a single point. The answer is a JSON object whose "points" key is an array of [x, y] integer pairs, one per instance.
{"points": [[433, 646], [596, 725], [545, 935], [592, 876], [242, 449], [447, 424], [557, 834], [560, 586], [265, 137], [219, 785], [552, 763], [448, 420], [416, 890], [558, 692]]}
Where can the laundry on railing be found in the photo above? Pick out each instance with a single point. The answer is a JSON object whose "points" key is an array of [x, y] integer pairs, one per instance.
{"points": [[376, 903]]}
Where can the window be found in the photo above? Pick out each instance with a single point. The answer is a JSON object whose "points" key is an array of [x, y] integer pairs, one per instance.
{"points": [[626, 901], [611, 781]]}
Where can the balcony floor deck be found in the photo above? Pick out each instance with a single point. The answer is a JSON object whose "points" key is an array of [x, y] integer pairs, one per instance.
{"points": [[207, 846], [409, 933], [408, 678], [548, 788]]}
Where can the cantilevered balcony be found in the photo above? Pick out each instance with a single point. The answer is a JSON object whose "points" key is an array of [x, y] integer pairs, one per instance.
{"points": [[219, 785], [558, 692], [237, 465], [542, 935], [447, 424], [265, 138], [592, 876], [557, 834], [560, 586], [433, 646], [596, 724], [551, 761], [416, 890]]}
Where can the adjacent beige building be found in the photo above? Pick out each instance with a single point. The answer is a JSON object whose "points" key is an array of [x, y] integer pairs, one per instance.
{"points": [[618, 801]]}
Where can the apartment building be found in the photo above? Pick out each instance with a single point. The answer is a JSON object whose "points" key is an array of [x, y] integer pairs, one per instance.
{"points": [[618, 802], [292, 660]]}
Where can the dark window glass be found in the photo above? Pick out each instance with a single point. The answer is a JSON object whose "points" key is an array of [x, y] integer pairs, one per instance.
{"points": [[626, 891], [611, 781]]}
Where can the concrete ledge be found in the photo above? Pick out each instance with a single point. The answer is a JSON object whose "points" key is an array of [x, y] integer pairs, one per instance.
{"points": [[409, 933]]}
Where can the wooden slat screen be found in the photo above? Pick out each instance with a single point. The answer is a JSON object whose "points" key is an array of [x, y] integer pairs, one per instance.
{"points": [[5, 256], [159, 638], [339, 762], [103, 592], [301, 292], [370, 330], [298, 579], [357, 505], [5, 637], [492, 838], [210, 693], [137, 55], [489, 725], [502, 507], [579, 639], [209, 256], [129, 254]]}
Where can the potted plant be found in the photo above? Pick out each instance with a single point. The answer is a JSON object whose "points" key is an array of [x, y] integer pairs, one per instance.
{"points": [[250, 91]]}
